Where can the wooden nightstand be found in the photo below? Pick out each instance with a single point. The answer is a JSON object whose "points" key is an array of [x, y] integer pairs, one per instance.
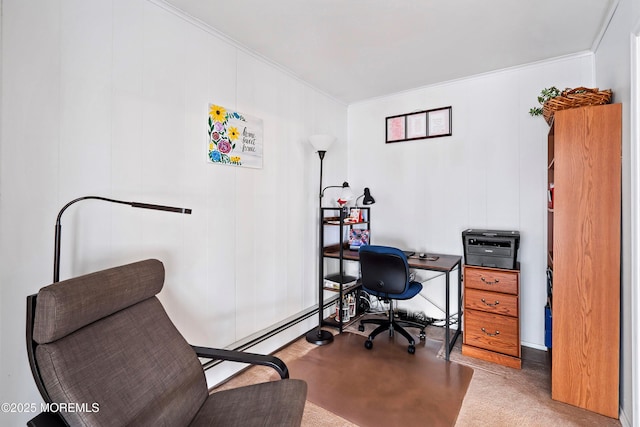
{"points": [[491, 315]]}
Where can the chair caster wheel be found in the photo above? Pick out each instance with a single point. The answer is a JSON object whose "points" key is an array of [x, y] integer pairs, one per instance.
{"points": [[368, 344], [423, 335], [412, 349], [361, 328]]}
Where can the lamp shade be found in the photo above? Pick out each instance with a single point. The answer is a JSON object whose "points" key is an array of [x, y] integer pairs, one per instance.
{"points": [[368, 198], [321, 142]]}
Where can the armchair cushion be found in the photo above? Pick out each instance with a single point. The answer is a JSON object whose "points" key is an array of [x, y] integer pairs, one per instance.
{"points": [[246, 406]]}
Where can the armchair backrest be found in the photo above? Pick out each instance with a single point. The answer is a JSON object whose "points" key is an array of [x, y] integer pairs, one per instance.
{"points": [[104, 344], [384, 269]]}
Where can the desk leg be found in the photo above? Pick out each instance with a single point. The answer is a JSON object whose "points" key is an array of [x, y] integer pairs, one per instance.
{"points": [[449, 343], [446, 321]]}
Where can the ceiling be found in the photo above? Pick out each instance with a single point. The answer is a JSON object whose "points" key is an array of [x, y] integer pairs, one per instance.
{"points": [[358, 49]]}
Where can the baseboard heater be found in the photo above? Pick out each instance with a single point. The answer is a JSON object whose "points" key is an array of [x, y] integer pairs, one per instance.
{"points": [[271, 331]]}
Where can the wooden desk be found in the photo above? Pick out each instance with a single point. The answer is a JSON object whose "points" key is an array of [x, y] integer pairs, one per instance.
{"points": [[444, 263]]}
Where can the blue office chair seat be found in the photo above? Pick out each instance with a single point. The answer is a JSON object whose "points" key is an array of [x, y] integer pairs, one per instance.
{"points": [[385, 274], [412, 290]]}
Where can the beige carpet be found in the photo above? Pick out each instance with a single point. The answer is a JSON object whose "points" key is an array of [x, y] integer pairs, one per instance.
{"points": [[497, 396], [502, 396], [385, 385]]}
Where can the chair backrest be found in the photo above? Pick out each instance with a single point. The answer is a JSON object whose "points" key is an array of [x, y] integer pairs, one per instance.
{"points": [[384, 269], [104, 344]]}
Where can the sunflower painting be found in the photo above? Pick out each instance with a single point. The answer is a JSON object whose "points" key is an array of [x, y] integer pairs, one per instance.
{"points": [[233, 138]]}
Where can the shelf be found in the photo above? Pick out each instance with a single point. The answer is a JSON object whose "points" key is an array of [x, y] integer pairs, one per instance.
{"points": [[345, 289], [337, 222], [331, 320], [333, 251]]}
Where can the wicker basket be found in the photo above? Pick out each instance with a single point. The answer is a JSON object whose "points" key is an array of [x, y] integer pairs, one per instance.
{"points": [[574, 98]]}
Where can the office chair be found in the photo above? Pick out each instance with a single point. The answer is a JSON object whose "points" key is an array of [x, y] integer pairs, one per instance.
{"points": [[103, 352], [385, 274]]}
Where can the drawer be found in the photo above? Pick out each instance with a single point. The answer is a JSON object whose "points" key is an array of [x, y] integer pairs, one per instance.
{"points": [[492, 332], [491, 302], [491, 279]]}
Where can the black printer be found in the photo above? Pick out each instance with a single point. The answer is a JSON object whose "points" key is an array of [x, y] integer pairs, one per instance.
{"points": [[491, 248]]}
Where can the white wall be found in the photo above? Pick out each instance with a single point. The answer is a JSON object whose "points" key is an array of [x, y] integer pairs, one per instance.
{"points": [[491, 173], [613, 70], [110, 98]]}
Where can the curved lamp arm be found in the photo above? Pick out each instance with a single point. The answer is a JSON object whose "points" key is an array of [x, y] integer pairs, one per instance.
{"points": [[346, 195], [56, 255]]}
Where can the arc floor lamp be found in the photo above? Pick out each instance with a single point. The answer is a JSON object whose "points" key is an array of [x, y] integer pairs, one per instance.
{"points": [[56, 254]]}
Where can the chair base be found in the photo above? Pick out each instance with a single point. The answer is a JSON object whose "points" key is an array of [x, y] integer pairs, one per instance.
{"points": [[391, 325]]}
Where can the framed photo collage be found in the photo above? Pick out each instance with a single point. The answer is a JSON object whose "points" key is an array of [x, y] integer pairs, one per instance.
{"points": [[418, 125]]}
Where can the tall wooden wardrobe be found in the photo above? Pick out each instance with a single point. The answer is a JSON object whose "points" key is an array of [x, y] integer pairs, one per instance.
{"points": [[584, 254]]}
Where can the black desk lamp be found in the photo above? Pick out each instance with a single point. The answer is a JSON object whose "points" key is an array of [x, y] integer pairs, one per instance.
{"points": [[368, 199], [56, 255]]}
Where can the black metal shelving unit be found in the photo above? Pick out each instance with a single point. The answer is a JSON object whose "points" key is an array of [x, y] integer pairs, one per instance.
{"points": [[339, 218]]}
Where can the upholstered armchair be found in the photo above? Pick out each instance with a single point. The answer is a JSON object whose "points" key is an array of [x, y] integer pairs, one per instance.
{"points": [[104, 352]]}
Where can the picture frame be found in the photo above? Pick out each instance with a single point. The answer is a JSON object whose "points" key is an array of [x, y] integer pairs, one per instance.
{"points": [[355, 216], [233, 138], [439, 122], [358, 237], [416, 125], [396, 129]]}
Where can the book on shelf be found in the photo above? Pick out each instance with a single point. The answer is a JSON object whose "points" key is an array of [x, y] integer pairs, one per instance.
{"points": [[333, 281]]}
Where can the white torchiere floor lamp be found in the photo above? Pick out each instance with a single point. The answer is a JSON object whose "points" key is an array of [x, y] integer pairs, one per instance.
{"points": [[319, 336]]}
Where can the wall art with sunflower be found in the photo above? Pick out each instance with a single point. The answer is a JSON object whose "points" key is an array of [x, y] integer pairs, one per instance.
{"points": [[234, 139]]}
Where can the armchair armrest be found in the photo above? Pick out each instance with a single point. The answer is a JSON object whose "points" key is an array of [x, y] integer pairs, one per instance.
{"points": [[243, 357]]}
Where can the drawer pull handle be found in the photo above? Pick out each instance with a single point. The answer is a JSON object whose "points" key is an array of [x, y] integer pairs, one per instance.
{"points": [[490, 334], [489, 283], [489, 304]]}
